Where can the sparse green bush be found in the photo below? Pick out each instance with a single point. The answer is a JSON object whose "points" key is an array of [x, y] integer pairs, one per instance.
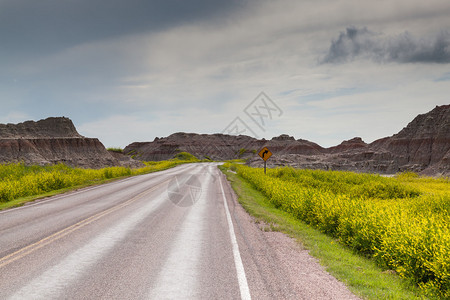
{"points": [[115, 149], [241, 152], [185, 156]]}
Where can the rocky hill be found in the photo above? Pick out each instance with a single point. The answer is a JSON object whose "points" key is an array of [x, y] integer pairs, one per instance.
{"points": [[214, 146], [422, 146], [48, 128], [217, 146], [53, 140]]}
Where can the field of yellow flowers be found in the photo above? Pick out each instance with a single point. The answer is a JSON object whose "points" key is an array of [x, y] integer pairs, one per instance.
{"points": [[402, 222], [18, 180]]}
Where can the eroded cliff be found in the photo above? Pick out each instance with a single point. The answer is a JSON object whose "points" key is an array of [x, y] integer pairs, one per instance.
{"points": [[51, 141], [422, 146]]}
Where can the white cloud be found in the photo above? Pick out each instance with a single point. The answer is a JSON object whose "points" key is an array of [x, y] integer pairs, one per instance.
{"points": [[198, 77]]}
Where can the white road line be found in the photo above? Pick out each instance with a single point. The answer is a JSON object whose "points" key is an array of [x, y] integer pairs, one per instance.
{"points": [[242, 279], [53, 281], [179, 276]]}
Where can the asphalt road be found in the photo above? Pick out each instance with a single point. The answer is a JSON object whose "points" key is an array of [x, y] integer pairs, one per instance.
{"points": [[175, 234]]}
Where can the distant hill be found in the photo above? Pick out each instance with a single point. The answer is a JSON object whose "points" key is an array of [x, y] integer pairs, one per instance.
{"points": [[422, 146], [215, 146]]}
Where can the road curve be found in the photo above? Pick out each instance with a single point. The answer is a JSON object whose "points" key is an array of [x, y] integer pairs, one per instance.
{"points": [[175, 234]]}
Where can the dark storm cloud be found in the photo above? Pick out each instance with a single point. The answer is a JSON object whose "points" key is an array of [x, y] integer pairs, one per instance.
{"points": [[404, 48], [30, 26]]}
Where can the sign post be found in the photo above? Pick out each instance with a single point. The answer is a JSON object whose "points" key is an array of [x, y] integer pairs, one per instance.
{"points": [[265, 154]]}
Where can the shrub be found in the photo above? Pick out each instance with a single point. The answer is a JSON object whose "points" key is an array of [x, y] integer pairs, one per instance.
{"points": [[185, 156], [115, 149]]}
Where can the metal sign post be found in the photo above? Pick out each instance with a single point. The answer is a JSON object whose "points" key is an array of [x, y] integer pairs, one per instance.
{"points": [[265, 154]]}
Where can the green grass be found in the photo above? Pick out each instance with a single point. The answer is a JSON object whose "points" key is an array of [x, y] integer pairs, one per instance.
{"points": [[360, 274], [241, 152], [115, 149], [186, 156], [237, 160]]}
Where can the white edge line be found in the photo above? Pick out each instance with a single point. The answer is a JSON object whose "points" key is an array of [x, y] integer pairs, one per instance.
{"points": [[242, 279]]}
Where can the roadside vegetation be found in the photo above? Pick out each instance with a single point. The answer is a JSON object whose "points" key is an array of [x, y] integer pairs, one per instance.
{"points": [[186, 157], [401, 224], [115, 149], [235, 161], [20, 183]]}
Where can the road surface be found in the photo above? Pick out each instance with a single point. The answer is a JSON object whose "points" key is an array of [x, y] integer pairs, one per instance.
{"points": [[175, 234]]}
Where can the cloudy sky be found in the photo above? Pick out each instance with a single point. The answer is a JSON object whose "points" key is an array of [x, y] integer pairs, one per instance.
{"points": [[133, 70]]}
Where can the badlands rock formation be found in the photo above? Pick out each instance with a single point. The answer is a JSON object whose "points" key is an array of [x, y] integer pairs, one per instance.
{"points": [[50, 141], [422, 146]]}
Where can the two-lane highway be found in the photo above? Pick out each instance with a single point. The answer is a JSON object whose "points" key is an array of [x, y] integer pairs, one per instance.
{"points": [[174, 234]]}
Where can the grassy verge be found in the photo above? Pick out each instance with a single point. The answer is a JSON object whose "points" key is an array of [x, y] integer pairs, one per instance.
{"points": [[22, 200], [361, 275], [21, 184], [115, 149]]}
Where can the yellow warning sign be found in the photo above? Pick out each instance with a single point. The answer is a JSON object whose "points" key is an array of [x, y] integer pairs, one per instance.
{"points": [[265, 153]]}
